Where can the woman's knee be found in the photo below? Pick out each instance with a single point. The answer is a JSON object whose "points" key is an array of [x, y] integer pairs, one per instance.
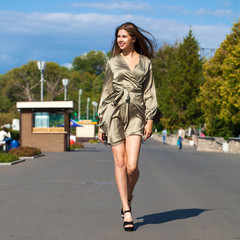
{"points": [[120, 162], [132, 169]]}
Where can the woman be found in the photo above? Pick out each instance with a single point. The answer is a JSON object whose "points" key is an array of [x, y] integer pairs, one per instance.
{"points": [[5, 135], [127, 108], [194, 136], [181, 136]]}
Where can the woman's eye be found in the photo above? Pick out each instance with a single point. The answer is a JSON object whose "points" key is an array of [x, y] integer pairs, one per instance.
{"points": [[123, 36]]}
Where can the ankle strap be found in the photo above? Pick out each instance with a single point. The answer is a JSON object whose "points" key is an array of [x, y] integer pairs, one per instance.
{"points": [[126, 211]]}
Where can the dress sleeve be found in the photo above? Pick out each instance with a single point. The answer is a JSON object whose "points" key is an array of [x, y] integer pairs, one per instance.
{"points": [[106, 90], [150, 98]]}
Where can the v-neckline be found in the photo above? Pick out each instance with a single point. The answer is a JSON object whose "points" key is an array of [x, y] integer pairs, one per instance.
{"points": [[128, 65]]}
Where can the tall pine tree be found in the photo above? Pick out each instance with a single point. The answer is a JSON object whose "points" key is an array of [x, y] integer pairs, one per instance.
{"points": [[181, 86], [162, 62]]}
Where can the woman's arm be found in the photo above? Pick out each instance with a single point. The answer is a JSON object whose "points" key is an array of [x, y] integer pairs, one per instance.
{"points": [[106, 90], [149, 96], [150, 100]]}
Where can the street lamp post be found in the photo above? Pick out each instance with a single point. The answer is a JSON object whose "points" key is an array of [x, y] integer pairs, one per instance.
{"points": [[65, 83], [95, 104], [79, 104], [88, 100], [41, 67]]}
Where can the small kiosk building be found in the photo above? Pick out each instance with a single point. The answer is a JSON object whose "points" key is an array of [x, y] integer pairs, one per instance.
{"points": [[45, 125]]}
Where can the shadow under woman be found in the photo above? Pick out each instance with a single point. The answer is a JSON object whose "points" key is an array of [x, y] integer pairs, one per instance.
{"points": [[158, 218]]}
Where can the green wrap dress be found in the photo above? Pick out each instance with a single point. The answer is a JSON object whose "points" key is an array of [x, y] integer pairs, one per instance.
{"points": [[128, 99]]}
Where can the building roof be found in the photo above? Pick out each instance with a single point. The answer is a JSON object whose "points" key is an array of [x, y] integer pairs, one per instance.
{"points": [[45, 104]]}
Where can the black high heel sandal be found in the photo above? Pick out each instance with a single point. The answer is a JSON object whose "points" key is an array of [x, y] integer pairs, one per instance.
{"points": [[129, 200], [125, 223]]}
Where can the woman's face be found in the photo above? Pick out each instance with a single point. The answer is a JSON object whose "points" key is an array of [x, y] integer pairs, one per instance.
{"points": [[124, 40]]}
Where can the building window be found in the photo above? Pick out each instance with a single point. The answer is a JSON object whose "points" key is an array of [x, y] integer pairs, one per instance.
{"points": [[48, 122], [41, 120]]}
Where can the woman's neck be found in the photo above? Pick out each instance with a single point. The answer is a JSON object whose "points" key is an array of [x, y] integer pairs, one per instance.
{"points": [[129, 52]]}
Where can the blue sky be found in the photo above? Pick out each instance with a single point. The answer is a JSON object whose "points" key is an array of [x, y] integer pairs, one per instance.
{"points": [[60, 30]]}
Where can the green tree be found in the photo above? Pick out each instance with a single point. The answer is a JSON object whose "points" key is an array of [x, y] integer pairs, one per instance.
{"points": [[93, 62], [220, 94], [180, 71], [84, 81], [6, 101], [8, 105], [97, 86], [190, 79], [162, 62], [53, 75], [5, 105], [23, 83]]}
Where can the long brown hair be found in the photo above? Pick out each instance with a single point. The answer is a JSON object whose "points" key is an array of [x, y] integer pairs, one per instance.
{"points": [[143, 45]]}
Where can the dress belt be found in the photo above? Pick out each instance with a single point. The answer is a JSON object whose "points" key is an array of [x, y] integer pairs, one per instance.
{"points": [[117, 95], [113, 99]]}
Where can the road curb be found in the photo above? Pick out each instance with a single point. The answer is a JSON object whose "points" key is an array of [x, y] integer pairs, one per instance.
{"points": [[12, 163]]}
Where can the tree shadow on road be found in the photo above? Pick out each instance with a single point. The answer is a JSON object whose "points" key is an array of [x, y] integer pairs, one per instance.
{"points": [[158, 218]]}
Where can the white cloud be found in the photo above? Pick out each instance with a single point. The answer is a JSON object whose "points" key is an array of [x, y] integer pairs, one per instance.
{"points": [[209, 12], [62, 36], [115, 5], [68, 65], [200, 11], [88, 25], [210, 36], [39, 23], [174, 8], [224, 3]]}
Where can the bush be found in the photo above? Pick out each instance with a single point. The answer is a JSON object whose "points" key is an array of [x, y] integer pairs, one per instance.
{"points": [[15, 134], [76, 145], [6, 157], [25, 151]]}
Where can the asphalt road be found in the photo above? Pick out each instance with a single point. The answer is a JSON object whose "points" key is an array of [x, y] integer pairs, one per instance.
{"points": [[181, 195]]}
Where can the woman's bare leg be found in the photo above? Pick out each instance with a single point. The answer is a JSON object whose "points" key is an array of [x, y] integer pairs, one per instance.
{"points": [[133, 146], [119, 154], [126, 157]]}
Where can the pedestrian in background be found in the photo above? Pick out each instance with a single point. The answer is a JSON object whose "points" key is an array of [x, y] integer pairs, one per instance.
{"points": [[127, 107], [5, 135], [194, 136], [181, 136], [164, 135]]}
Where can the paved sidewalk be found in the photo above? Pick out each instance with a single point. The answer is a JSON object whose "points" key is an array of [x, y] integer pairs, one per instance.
{"points": [[68, 196]]}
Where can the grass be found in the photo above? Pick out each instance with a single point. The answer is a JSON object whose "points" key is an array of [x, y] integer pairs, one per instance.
{"points": [[8, 157]]}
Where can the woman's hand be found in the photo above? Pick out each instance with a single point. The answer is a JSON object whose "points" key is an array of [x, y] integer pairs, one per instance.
{"points": [[148, 129], [101, 136]]}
